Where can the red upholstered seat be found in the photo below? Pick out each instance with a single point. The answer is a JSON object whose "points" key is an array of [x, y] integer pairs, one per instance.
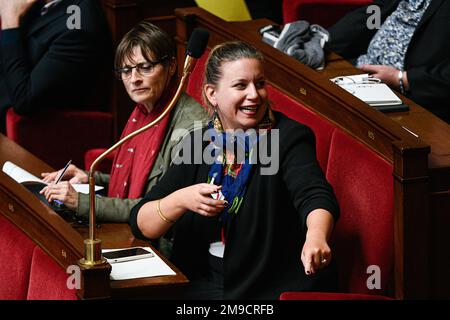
{"points": [[363, 184], [104, 166], [47, 279], [362, 241], [296, 111], [194, 86], [57, 136], [364, 234], [15, 261], [27, 272], [322, 12]]}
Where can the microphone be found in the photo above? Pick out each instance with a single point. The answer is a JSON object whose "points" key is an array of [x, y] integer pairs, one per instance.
{"points": [[92, 246], [195, 48]]}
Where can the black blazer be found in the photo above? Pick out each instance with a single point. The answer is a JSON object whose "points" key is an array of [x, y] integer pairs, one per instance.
{"points": [[53, 66], [264, 239], [427, 60]]}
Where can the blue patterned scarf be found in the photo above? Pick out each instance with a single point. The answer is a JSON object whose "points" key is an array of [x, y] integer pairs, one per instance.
{"points": [[234, 183]]}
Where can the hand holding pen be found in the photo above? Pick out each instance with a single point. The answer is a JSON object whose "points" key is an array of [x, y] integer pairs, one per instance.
{"points": [[217, 195], [72, 173], [57, 202], [61, 192], [63, 172]]}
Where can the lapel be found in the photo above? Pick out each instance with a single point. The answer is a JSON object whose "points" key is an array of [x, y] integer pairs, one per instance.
{"points": [[432, 8], [53, 14], [390, 7]]}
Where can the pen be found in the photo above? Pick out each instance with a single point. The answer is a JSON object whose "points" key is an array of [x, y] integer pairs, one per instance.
{"points": [[57, 202], [63, 172]]}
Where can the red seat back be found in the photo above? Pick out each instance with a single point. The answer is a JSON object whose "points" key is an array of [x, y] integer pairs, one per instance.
{"points": [[27, 272], [364, 235], [57, 136], [194, 86], [298, 112], [48, 281], [105, 166]]}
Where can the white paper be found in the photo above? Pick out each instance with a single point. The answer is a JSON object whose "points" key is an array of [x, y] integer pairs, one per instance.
{"points": [[142, 268], [20, 175], [374, 94]]}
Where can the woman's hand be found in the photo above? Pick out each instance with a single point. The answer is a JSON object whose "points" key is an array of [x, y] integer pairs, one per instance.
{"points": [[197, 198], [63, 192], [387, 74], [73, 174], [153, 223], [316, 253], [11, 11]]}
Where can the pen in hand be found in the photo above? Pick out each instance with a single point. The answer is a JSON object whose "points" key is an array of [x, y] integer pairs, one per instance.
{"points": [[63, 172], [60, 203]]}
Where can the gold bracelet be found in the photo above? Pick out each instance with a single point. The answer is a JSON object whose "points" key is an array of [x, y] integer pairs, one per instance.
{"points": [[158, 209]]}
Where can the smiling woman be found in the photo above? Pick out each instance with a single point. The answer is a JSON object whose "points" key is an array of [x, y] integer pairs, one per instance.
{"points": [[230, 247], [145, 63]]}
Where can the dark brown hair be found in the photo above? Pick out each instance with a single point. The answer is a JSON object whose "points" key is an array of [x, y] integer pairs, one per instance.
{"points": [[154, 43]]}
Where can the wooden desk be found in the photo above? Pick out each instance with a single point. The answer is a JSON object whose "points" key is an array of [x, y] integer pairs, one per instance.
{"points": [[418, 120], [64, 241]]}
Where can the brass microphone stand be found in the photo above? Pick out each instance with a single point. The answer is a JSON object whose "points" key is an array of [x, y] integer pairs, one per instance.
{"points": [[92, 245]]}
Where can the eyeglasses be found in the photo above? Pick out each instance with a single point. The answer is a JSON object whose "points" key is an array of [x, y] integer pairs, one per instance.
{"points": [[145, 69]]}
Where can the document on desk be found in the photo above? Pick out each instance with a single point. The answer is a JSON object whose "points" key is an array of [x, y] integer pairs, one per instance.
{"points": [[370, 90], [142, 268], [20, 175]]}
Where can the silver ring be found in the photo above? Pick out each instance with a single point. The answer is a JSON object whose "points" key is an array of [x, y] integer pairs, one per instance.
{"points": [[324, 261]]}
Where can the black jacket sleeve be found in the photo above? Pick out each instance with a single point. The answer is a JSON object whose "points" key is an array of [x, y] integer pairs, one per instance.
{"points": [[67, 62], [44, 63], [302, 174]]}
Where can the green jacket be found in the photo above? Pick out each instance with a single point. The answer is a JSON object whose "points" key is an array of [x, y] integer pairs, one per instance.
{"points": [[108, 209]]}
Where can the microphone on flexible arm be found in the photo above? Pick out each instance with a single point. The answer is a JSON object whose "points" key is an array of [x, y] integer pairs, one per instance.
{"points": [[92, 246]]}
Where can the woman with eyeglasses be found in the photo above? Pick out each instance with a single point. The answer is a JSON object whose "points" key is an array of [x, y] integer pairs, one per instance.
{"points": [[145, 63]]}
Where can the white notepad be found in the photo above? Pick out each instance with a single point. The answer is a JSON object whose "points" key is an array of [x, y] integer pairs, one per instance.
{"points": [[369, 90]]}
